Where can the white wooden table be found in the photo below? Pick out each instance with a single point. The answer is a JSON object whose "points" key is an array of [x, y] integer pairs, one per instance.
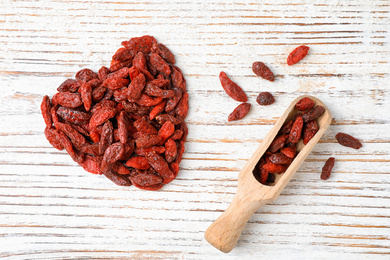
{"points": [[50, 208]]}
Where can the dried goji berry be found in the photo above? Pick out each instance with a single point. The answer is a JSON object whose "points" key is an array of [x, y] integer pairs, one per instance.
{"points": [[312, 114], [115, 83], [260, 69], [304, 104], [45, 109], [170, 150], [297, 54], [309, 130], [52, 136], [138, 162], [239, 112], [161, 166], [280, 158], [274, 168], [289, 151], [348, 141], [296, 131], [160, 64], [278, 143], [327, 169], [265, 99], [86, 95], [86, 75], [67, 99], [101, 116], [73, 116], [164, 52], [232, 89]]}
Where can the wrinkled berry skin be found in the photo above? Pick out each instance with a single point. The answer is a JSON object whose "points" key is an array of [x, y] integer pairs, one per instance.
{"points": [[239, 112], [261, 70], [297, 54], [232, 89], [265, 99], [348, 141], [327, 169]]}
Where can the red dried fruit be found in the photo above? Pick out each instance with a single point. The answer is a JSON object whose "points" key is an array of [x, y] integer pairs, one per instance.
{"points": [[260, 69], [98, 93], [123, 54], [138, 162], [280, 158], [118, 179], [274, 168], [309, 130], [263, 176], [231, 88], [286, 128], [103, 73], [145, 179], [70, 85], [166, 131], [45, 109], [157, 110], [86, 95], [52, 136], [95, 125], [106, 137], [297, 54], [158, 92], [143, 126], [164, 52], [115, 83], [289, 151], [160, 64], [278, 143], [140, 44], [170, 150], [121, 73], [92, 164], [239, 112], [181, 109], [86, 75], [144, 151], [77, 139], [172, 102], [304, 104], [265, 99], [73, 116], [327, 169], [161, 119], [177, 134], [145, 140], [348, 141], [67, 99], [101, 116], [161, 166], [296, 131], [148, 101], [313, 113], [178, 80], [136, 87]]}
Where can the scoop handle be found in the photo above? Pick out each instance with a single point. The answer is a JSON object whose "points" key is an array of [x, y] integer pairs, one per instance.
{"points": [[224, 233]]}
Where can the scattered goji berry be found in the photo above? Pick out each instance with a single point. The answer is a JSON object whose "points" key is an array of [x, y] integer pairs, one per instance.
{"points": [[260, 69], [297, 54], [348, 141]]}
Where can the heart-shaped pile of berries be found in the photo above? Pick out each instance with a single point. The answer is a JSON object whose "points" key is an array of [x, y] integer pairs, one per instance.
{"points": [[126, 121]]}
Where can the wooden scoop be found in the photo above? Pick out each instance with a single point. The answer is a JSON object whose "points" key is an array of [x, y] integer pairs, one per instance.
{"points": [[251, 194]]}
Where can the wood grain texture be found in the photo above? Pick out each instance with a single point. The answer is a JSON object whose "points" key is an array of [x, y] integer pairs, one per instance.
{"points": [[50, 208]]}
